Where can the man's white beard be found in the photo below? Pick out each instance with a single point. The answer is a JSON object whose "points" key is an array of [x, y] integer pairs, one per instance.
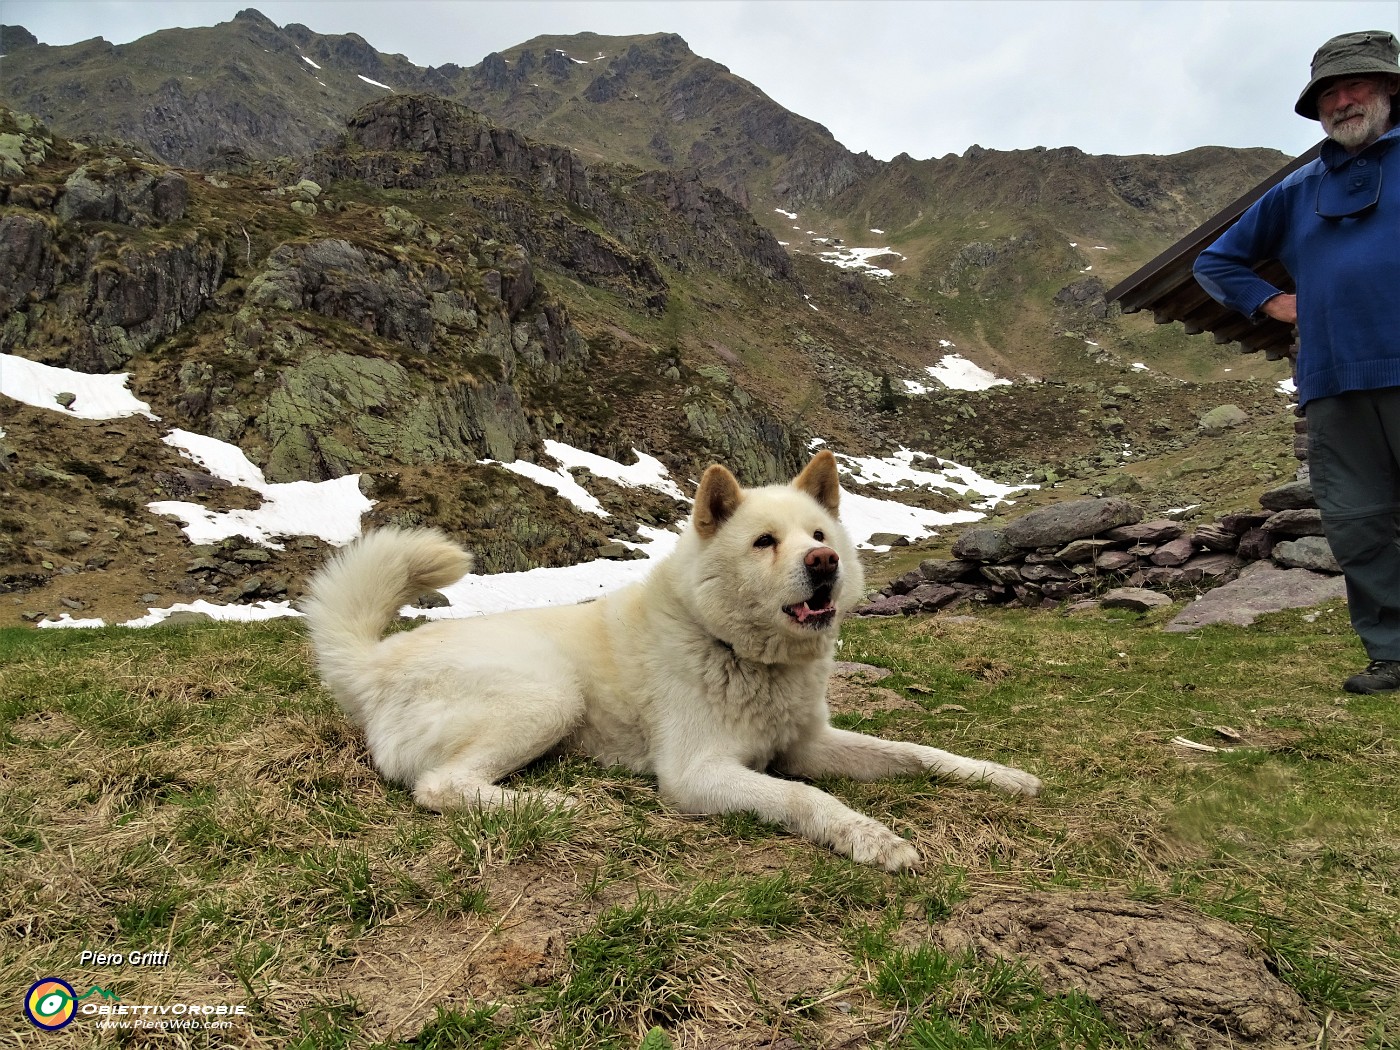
{"points": [[1375, 123]]}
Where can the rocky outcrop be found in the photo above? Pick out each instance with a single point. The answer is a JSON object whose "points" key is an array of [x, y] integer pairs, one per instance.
{"points": [[30, 265], [410, 141], [487, 331], [334, 415], [373, 291], [594, 258], [24, 143], [407, 141], [1102, 547], [735, 430], [95, 313], [130, 193], [397, 341], [1084, 300], [713, 232], [74, 292]]}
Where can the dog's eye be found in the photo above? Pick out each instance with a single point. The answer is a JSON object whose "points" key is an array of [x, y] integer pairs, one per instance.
{"points": [[819, 536], [766, 540]]}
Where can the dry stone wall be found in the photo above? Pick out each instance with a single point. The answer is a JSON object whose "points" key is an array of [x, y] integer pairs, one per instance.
{"points": [[1092, 548]]}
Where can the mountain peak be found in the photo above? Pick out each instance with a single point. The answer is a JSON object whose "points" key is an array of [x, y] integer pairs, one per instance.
{"points": [[12, 38], [253, 15]]}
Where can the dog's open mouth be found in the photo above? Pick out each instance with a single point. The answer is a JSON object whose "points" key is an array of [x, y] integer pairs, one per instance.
{"points": [[816, 612]]}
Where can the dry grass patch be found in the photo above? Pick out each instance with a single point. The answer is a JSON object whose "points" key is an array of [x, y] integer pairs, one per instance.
{"points": [[233, 818]]}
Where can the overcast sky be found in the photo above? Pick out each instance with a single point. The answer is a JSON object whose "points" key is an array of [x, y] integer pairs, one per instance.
{"points": [[885, 76]]}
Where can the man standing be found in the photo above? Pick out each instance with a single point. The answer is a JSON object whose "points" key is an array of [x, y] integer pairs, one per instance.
{"points": [[1335, 226]]}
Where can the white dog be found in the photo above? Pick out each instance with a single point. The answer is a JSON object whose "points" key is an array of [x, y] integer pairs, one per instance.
{"points": [[707, 673]]}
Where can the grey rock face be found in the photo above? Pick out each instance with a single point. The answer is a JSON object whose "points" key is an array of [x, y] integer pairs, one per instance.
{"points": [[1062, 522], [1306, 552]]}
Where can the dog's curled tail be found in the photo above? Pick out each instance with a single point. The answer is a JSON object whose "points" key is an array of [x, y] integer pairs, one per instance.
{"points": [[353, 598]]}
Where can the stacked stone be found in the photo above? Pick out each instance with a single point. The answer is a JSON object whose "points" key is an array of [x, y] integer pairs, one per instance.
{"points": [[1082, 548]]}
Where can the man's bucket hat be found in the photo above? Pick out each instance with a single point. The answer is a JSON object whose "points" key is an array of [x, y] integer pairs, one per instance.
{"points": [[1351, 54]]}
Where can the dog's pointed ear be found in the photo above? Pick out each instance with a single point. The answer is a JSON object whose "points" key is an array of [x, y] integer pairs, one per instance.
{"points": [[820, 480], [716, 500]]}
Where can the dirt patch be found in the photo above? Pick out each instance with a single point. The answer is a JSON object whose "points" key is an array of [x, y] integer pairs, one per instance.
{"points": [[851, 690], [44, 727], [402, 972], [1159, 967], [783, 993], [747, 993]]}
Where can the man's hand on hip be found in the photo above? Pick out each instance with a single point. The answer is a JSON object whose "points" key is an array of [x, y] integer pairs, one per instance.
{"points": [[1282, 308]]}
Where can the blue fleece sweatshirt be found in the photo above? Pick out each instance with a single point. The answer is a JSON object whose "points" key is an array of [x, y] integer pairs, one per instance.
{"points": [[1347, 270]]}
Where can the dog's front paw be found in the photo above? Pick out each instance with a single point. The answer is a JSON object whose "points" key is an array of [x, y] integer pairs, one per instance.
{"points": [[1014, 781], [868, 841]]}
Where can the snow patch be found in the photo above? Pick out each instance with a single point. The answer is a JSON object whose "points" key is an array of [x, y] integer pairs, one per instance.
{"points": [[858, 259], [330, 510], [95, 396], [956, 373]]}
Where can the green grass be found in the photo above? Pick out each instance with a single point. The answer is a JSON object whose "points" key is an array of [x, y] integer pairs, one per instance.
{"points": [[194, 790], [962, 1003]]}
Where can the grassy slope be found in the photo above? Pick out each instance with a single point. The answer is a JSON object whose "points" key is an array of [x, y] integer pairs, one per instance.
{"points": [[193, 789]]}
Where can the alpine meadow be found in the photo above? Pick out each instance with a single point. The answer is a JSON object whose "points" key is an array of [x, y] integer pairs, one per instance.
{"points": [[264, 290]]}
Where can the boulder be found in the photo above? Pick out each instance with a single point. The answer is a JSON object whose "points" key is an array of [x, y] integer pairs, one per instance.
{"points": [[1223, 418], [1261, 587], [1295, 523], [1062, 523], [1241, 521], [889, 605], [1173, 553], [1214, 537], [1210, 566], [1159, 530], [1115, 561], [888, 539], [1001, 574], [937, 570], [906, 583], [1042, 572], [1082, 550], [1255, 545], [984, 545], [934, 596], [1134, 599], [1296, 495], [1306, 552]]}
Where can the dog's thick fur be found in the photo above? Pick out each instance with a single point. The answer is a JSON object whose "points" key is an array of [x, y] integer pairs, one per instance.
{"points": [[706, 674]]}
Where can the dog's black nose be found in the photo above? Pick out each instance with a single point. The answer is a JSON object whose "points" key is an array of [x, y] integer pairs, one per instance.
{"points": [[822, 563]]}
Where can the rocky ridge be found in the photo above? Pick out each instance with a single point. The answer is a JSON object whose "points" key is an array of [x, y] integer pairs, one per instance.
{"points": [[409, 142]]}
